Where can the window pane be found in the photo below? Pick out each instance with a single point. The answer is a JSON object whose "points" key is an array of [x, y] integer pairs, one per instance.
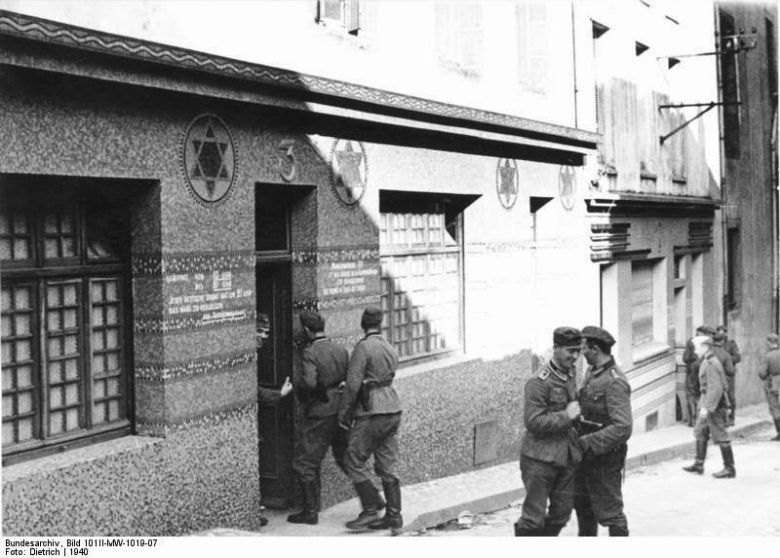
{"points": [[8, 405], [642, 303], [56, 397], [24, 376], [25, 402], [8, 432], [99, 389], [71, 394], [56, 422], [113, 410], [55, 372], [21, 249], [25, 429], [72, 419]]}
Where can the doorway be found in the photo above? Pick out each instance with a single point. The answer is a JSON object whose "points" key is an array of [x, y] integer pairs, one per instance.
{"points": [[275, 207]]}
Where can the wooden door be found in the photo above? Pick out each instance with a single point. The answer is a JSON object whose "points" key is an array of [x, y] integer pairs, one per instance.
{"points": [[275, 420]]}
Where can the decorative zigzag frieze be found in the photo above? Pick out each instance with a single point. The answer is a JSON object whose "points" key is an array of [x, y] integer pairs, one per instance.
{"points": [[188, 369], [194, 262]]}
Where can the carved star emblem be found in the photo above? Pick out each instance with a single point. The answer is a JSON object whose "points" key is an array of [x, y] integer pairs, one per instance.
{"points": [[348, 175], [210, 160]]}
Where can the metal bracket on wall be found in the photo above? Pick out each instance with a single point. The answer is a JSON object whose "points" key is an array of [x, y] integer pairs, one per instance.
{"points": [[709, 106]]}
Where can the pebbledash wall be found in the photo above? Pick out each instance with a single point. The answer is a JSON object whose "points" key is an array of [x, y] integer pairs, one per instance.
{"points": [[191, 461]]}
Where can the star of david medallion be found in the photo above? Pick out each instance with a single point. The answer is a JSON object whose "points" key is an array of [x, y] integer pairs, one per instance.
{"points": [[567, 186], [348, 171], [507, 182], [209, 160]]}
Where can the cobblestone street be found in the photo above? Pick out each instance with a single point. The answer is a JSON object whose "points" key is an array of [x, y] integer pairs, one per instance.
{"points": [[663, 500]]}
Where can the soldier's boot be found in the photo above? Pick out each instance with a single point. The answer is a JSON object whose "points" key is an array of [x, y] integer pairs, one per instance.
{"points": [[308, 513], [368, 495], [618, 530], [729, 471], [777, 427], [521, 532], [698, 463], [392, 518], [587, 526], [551, 530]]}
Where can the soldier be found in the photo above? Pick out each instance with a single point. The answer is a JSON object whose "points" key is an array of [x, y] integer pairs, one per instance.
{"points": [[550, 452], [770, 373], [371, 410], [265, 395], [713, 411], [691, 360], [317, 387], [605, 427], [730, 346]]}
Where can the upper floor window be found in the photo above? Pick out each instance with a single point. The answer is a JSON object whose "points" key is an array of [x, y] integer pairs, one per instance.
{"points": [[532, 47], [65, 283], [340, 13], [729, 85], [459, 37]]}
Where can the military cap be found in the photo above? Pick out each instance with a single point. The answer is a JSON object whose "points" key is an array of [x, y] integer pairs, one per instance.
{"points": [[372, 318], [705, 330], [772, 339], [312, 320], [566, 336], [599, 334], [719, 336], [263, 322]]}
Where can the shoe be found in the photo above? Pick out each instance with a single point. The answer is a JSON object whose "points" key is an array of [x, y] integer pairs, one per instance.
{"points": [[368, 495], [551, 530], [308, 514], [701, 455], [521, 532], [392, 518], [618, 530], [263, 521], [729, 471], [777, 427]]}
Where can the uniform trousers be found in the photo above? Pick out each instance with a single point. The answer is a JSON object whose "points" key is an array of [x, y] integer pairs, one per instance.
{"points": [[317, 435], [375, 435], [546, 482], [712, 426], [774, 403], [598, 486]]}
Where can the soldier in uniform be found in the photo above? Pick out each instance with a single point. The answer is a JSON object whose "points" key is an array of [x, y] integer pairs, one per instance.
{"points": [[729, 346], [713, 411], [549, 452], [371, 410], [691, 360], [605, 427], [265, 395], [317, 386], [770, 373]]}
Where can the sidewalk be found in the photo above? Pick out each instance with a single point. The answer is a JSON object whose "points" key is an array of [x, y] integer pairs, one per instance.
{"points": [[429, 504]]}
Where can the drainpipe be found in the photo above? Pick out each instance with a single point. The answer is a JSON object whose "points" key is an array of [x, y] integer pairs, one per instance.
{"points": [[721, 165]]}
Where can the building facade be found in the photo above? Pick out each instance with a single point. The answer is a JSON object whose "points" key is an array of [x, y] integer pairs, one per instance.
{"points": [[483, 172], [747, 70]]}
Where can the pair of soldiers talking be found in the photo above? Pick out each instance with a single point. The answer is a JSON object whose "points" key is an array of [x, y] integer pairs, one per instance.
{"points": [[350, 406], [574, 449]]}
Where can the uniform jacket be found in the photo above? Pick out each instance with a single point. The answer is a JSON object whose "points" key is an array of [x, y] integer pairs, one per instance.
{"points": [[372, 360], [691, 361], [713, 383], [725, 359], [770, 370], [605, 397], [317, 383], [732, 349], [550, 435]]}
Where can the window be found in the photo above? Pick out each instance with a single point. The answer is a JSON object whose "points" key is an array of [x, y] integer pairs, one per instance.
{"points": [[641, 303], [65, 350], [532, 45], [459, 37], [729, 86], [421, 253], [734, 265], [340, 13]]}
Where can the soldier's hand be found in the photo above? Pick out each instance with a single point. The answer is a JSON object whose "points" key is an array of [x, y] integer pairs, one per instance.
{"points": [[286, 387], [703, 412], [573, 410], [343, 426]]}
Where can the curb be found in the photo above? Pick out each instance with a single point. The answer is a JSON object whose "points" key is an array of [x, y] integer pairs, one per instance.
{"points": [[493, 502]]}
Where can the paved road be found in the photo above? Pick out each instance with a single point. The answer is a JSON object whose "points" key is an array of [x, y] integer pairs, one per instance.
{"points": [[663, 500]]}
